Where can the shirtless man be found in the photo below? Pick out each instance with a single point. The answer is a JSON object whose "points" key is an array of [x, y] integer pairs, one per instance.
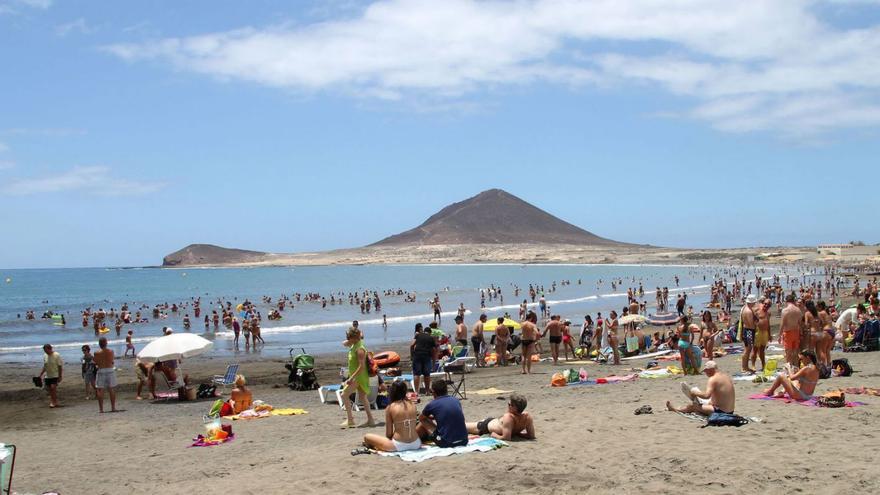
{"points": [[106, 376], [478, 341], [461, 331], [749, 319], [790, 330], [762, 334], [529, 336], [502, 336], [554, 328], [515, 422], [719, 392]]}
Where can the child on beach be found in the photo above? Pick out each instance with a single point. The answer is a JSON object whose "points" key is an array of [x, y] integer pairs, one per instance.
{"points": [[129, 346]]}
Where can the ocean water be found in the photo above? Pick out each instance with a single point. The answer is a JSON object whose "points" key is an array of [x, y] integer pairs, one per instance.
{"points": [[308, 325]]}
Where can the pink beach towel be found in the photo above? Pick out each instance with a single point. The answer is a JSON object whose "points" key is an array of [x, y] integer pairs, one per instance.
{"points": [[809, 403]]}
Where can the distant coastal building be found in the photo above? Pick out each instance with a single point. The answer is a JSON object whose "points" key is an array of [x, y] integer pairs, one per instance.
{"points": [[847, 250]]}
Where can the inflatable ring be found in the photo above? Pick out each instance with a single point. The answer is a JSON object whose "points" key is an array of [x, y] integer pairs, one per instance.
{"points": [[386, 359]]}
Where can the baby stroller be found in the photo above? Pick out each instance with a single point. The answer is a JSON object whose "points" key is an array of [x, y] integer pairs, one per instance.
{"points": [[302, 372]]}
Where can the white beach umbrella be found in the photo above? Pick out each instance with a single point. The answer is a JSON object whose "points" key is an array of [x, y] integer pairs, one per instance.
{"points": [[175, 346], [626, 320]]}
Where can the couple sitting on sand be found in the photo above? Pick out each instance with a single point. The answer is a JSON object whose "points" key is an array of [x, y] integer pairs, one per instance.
{"points": [[442, 421]]}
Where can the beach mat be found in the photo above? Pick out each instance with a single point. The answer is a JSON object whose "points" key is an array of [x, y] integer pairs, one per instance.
{"points": [[479, 444], [201, 441], [647, 356], [492, 391], [265, 414], [699, 418], [814, 402]]}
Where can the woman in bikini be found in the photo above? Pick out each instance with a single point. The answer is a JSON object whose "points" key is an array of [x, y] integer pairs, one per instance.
{"points": [[686, 347], [400, 423], [710, 330], [801, 385], [611, 326], [814, 324], [827, 323]]}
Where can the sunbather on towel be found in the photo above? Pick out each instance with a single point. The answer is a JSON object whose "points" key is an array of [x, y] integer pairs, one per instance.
{"points": [[515, 422], [801, 385], [400, 423], [719, 392]]}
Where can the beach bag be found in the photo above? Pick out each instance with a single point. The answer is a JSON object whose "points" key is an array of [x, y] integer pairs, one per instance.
{"points": [[824, 372], [842, 367], [558, 380], [832, 399], [725, 419], [206, 391], [572, 376], [372, 367]]}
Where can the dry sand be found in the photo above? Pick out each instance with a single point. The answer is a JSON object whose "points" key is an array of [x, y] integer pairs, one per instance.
{"points": [[588, 439]]}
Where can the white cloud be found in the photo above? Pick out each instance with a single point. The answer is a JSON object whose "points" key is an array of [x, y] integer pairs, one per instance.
{"points": [[79, 25], [3, 147], [93, 180], [13, 6], [750, 65]]}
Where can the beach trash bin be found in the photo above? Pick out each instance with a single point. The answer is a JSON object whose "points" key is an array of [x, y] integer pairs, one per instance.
{"points": [[7, 464]]}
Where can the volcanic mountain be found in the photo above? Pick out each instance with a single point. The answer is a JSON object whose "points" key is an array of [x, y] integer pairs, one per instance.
{"points": [[495, 217]]}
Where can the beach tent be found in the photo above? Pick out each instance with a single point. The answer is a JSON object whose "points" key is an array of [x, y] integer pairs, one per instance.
{"points": [[175, 346]]}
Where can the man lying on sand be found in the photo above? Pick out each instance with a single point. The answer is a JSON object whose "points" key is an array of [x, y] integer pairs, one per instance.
{"points": [[515, 422], [719, 392]]}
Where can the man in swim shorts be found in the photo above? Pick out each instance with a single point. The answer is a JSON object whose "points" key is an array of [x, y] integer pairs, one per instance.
{"points": [[749, 321], [790, 334], [554, 328], [720, 394], [514, 422], [106, 376], [53, 368], [479, 341], [529, 336], [461, 331]]}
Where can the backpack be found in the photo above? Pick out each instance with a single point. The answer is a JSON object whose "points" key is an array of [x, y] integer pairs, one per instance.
{"points": [[725, 419], [824, 372], [842, 367]]}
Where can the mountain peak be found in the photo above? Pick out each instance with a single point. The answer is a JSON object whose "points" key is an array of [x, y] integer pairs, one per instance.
{"points": [[494, 216]]}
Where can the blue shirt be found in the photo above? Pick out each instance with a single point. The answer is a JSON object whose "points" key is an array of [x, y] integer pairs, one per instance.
{"points": [[447, 413]]}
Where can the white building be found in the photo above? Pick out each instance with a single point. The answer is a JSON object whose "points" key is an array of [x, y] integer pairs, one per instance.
{"points": [[847, 250]]}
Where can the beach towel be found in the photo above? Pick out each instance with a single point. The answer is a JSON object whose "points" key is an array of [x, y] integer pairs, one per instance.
{"points": [[860, 391], [705, 419], [478, 444], [251, 414], [203, 441], [492, 391], [662, 372], [814, 402]]}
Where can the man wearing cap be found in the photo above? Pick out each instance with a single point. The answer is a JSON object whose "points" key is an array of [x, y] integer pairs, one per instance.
{"points": [[720, 394], [749, 321]]}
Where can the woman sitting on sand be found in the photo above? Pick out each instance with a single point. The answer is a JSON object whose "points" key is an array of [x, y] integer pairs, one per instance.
{"points": [[801, 385], [241, 397], [400, 423]]}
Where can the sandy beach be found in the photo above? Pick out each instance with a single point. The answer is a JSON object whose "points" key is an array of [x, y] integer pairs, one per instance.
{"points": [[588, 439]]}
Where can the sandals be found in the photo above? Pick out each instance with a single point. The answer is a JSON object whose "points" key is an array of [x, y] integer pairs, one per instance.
{"points": [[361, 451], [644, 410]]}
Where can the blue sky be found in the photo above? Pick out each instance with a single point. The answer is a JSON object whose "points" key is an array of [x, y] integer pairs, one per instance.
{"points": [[131, 129]]}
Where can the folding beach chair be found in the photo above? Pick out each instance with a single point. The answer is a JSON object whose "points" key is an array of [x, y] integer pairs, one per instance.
{"points": [[455, 373], [226, 379], [7, 466]]}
